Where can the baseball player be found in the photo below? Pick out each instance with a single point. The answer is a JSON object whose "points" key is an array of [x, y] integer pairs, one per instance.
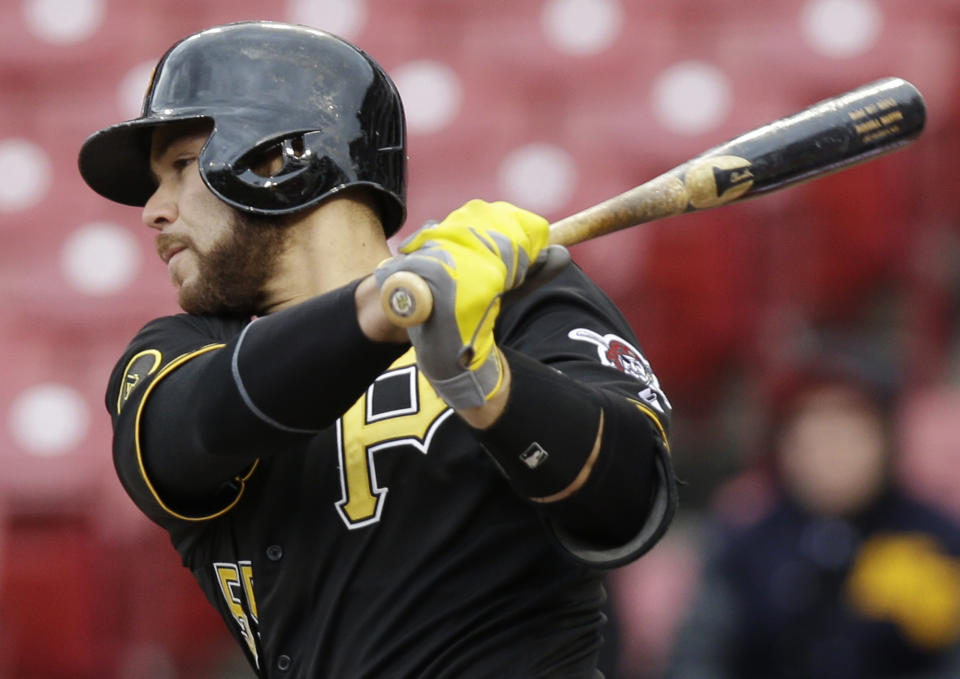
{"points": [[358, 500]]}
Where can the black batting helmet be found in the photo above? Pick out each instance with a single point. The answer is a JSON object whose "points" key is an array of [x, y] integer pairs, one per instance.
{"points": [[330, 110]]}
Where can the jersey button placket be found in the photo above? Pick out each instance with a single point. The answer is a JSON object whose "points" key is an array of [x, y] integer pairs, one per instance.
{"points": [[283, 663], [274, 552]]}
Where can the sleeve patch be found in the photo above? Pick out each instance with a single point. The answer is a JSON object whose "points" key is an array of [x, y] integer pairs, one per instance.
{"points": [[616, 352], [139, 368]]}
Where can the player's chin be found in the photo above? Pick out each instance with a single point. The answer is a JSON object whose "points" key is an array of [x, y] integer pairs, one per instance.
{"points": [[187, 298], [184, 281], [195, 296], [200, 297], [178, 270]]}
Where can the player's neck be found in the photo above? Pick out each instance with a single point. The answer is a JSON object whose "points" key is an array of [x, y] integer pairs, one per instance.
{"points": [[340, 241]]}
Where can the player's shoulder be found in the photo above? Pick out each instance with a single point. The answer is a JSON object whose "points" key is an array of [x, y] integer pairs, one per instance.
{"points": [[164, 341], [180, 333], [572, 279], [571, 286], [193, 326], [570, 299]]}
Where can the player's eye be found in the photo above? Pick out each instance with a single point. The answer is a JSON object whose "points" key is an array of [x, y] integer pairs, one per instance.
{"points": [[181, 163]]}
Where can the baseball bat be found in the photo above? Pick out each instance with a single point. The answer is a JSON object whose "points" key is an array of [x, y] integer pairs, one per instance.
{"points": [[833, 134]]}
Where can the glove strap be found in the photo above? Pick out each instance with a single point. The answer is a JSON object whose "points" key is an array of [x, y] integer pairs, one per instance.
{"points": [[471, 388]]}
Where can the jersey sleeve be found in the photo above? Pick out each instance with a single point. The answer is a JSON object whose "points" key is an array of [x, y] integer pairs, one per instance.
{"points": [[570, 325], [197, 401], [162, 347]]}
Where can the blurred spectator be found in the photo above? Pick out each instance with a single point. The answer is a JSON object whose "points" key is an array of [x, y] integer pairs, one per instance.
{"points": [[929, 435], [843, 573]]}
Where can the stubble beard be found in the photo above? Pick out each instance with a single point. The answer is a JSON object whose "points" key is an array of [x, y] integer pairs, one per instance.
{"points": [[233, 275]]}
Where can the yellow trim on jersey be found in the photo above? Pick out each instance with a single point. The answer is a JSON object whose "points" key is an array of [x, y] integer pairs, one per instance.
{"points": [[582, 475], [646, 410], [587, 468], [170, 367]]}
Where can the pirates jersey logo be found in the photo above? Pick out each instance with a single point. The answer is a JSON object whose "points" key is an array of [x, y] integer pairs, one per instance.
{"points": [[616, 352], [399, 410]]}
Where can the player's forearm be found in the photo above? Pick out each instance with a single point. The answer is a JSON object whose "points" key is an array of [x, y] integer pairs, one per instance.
{"points": [[291, 373], [584, 457], [301, 368], [288, 376]]}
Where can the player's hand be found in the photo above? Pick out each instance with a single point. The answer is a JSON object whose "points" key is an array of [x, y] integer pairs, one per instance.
{"points": [[469, 260]]}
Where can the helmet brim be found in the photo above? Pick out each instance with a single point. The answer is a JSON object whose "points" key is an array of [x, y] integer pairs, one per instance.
{"points": [[115, 162]]}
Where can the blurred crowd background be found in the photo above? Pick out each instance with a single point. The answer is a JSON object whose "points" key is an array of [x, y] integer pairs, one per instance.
{"points": [[551, 104]]}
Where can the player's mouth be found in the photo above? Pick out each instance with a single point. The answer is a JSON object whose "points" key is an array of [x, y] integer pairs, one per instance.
{"points": [[172, 252], [169, 246]]}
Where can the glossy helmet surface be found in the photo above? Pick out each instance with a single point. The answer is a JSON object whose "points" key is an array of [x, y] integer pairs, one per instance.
{"points": [[328, 108]]}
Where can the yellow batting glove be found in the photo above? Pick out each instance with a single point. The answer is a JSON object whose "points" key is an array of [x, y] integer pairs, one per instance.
{"points": [[469, 260], [515, 235]]}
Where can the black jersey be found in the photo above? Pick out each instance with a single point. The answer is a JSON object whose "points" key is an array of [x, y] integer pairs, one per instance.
{"points": [[388, 544]]}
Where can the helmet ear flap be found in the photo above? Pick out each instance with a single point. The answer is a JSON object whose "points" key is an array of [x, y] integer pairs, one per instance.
{"points": [[298, 168]]}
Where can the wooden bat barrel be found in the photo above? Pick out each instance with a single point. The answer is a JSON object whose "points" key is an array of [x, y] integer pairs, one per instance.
{"points": [[836, 133]]}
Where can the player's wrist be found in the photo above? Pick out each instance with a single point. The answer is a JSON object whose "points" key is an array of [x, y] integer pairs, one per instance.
{"points": [[484, 416], [465, 387]]}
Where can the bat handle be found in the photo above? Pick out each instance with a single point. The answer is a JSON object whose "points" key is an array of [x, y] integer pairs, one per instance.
{"points": [[406, 299]]}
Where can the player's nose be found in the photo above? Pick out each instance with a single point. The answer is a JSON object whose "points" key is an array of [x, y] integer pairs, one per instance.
{"points": [[160, 209]]}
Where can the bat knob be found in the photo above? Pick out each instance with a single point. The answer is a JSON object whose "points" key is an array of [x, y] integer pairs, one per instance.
{"points": [[406, 299]]}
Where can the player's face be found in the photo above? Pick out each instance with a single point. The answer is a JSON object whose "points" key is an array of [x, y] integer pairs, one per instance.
{"points": [[219, 259]]}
